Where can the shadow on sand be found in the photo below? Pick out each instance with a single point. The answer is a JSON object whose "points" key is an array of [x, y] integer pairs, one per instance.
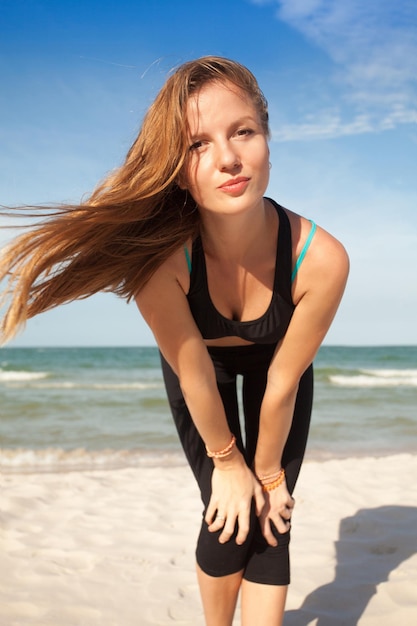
{"points": [[372, 543]]}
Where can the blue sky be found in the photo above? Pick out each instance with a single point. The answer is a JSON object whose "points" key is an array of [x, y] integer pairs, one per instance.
{"points": [[341, 80]]}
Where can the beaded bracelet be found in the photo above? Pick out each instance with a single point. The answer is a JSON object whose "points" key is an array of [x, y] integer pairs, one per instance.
{"points": [[268, 478], [275, 483], [221, 454]]}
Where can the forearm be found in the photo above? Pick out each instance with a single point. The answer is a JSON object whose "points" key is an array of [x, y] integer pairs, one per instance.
{"points": [[274, 426], [204, 402]]}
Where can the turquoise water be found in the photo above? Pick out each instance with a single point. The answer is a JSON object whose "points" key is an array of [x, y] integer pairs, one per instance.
{"points": [[78, 407]]}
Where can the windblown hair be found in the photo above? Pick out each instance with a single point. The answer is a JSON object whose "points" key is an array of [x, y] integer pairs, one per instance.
{"points": [[133, 221]]}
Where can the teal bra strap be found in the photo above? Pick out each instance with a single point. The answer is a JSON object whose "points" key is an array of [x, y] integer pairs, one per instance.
{"points": [[304, 250], [299, 260], [187, 256]]}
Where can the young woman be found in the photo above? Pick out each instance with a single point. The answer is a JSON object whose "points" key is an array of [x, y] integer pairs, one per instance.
{"points": [[231, 284]]}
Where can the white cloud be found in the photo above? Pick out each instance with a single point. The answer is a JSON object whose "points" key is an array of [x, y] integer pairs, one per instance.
{"points": [[325, 126], [331, 125], [373, 46]]}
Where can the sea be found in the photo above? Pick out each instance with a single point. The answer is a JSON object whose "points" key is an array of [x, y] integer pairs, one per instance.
{"points": [[64, 409]]}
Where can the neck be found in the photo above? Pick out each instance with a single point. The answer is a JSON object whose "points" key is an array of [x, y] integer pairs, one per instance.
{"points": [[233, 237]]}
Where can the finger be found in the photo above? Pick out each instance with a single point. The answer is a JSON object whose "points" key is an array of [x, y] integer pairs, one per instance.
{"points": [[217, 523], [267, 533], [286, 513], [282, 525], [211, 512], [243, 530], [228, 530], [291, 503]]}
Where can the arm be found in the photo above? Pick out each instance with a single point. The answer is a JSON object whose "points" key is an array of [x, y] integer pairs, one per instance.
{"points": [[164, 306], [317, 293]]}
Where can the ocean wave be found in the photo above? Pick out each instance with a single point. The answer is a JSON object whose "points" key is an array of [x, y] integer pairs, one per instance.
{"points": [[409, 373], [23, 460], [21, 376], [19, 380], [115, 386], [377, 378]]}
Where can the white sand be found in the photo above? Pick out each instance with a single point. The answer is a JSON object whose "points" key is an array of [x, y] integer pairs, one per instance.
{"points": [[116, 548]]}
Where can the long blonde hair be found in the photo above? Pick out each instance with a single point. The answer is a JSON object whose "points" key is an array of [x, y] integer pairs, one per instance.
{"points": [[133, 221]]}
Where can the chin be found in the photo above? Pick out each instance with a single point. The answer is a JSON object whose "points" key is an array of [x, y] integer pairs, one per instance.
{"points": [[234, 205]]}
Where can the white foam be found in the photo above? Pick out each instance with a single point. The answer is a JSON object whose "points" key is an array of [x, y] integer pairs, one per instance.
{"points": [[29, 379], [136, 385], [23, 460], [101, 386], [16, 376], [392, 373], [378, 378]]}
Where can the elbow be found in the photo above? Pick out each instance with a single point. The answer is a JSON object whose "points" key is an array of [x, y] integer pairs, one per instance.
{"points": [[196, 383], [283, 388]]}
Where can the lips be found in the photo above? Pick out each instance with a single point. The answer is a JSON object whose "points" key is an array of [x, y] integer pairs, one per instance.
{"points": [[235, 184]]}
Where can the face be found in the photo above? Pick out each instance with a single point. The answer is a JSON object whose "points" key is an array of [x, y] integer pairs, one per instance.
{"points": [[227, 167]]}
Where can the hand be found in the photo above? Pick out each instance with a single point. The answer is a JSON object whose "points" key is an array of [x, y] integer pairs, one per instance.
{"points": [[233, 487], [278, 508]]}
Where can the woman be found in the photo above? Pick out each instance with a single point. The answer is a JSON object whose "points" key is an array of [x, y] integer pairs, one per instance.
{"points": [[231, 284]]}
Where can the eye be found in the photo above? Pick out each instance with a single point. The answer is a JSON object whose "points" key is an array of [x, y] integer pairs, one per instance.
{"points": [[242, 132], [195, 146]]}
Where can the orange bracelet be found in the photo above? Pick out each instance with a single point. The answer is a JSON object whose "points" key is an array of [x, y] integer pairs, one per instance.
{"points": [[276, 483], [221, 454], [268, 478]]}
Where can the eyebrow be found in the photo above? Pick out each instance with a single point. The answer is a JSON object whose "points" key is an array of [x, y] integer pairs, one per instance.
{"points": [[238, 122]]}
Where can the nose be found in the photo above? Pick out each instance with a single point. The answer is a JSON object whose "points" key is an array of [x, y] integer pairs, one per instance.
{"points": [[227, 156]]}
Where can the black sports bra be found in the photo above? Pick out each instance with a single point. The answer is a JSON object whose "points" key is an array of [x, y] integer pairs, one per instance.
{"points": [[272, 325]]}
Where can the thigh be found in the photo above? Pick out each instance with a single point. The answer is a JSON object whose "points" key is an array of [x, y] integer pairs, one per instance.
{"points": [[253, 389]]}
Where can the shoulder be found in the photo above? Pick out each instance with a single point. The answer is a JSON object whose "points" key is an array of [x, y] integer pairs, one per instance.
{"points": [[326, 264], [176, 267], [164, 306], [171, 276]]}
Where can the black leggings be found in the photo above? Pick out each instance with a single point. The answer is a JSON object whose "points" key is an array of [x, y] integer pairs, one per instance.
{"points": [[260, 562]]}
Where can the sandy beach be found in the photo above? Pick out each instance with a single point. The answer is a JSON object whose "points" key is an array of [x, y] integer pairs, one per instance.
{"points": [[116, 547]]}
